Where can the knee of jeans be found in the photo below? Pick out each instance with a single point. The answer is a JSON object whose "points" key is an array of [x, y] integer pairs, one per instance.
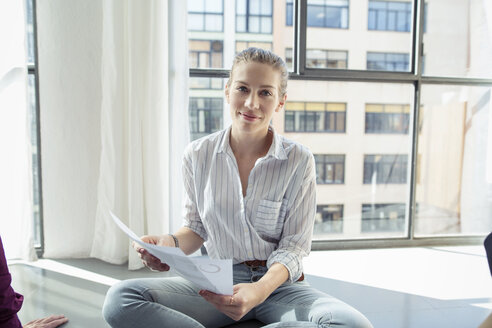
{"points": [[342, 318], [116, 303]]}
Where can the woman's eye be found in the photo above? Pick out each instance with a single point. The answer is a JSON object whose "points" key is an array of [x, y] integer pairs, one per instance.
{"points": [[266, 93], [242, 89]]}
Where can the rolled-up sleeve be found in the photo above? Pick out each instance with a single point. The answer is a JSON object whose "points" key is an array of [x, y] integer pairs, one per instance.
{"points": [[192, 219], [297, 231]]}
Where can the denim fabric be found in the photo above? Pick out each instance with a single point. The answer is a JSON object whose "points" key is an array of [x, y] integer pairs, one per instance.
{"points": [[174, 302]]}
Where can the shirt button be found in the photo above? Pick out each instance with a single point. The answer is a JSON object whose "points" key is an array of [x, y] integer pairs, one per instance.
{"points": [[250, 254]]}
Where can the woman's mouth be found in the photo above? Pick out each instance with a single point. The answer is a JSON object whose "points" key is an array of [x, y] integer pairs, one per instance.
{"points": [[249, 117]]}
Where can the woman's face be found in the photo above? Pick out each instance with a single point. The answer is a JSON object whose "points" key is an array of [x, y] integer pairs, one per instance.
{"points": [[253, 97]]}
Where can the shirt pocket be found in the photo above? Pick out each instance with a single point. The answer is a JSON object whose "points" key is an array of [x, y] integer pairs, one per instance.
{"points": [[270, 217]]}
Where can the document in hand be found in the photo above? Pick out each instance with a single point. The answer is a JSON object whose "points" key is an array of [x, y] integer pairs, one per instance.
{"points": [[204, 272]]}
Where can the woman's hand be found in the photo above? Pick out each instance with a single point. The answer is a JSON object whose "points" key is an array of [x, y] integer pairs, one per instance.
{"points": [[149, 260], [244, 298], [48, 322]]}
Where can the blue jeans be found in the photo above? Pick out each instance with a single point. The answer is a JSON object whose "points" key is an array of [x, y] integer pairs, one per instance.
{"points": [[174, 302]]}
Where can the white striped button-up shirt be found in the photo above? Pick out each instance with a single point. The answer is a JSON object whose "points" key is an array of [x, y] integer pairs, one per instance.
{"points": [[273, 222]]}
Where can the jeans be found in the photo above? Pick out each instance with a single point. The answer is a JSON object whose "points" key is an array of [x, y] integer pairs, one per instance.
{"points": [[174, 302]]}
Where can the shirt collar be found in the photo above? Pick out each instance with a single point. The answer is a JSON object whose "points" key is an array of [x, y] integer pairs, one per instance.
{"points": [[276, 150]]}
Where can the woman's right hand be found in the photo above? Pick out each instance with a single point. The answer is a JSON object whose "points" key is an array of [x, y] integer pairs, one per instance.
{"points": [[48, 322], [149, 260]]}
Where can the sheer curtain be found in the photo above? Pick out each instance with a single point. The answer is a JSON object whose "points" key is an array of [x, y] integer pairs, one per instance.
{"points": [[144, 125], [15, 149]]}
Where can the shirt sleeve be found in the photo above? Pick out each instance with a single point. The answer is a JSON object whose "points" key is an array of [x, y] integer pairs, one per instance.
{"points": [[10, 301], [192, 219], [297, 231]]}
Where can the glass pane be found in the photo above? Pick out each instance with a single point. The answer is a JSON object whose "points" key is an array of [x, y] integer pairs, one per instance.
{"points": [[251, 26], [454, 163], [33, 122], [196, 5], [345, 146], [213, 6], [207, 108], [457, 39], [388, 32], [30, 31]]}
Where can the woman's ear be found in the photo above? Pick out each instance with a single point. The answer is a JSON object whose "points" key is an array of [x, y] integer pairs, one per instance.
{"points": [[281, 104], [226, 91]]}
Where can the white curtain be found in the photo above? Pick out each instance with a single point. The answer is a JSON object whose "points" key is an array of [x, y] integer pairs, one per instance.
{"points": [[15, 150], [144, 122]]}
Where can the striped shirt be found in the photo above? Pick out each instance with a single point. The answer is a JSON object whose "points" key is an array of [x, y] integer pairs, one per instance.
{"points": [[273, 222]]}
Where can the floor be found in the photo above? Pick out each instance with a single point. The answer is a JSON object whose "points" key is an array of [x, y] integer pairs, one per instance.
{"points": [[395, 288]]}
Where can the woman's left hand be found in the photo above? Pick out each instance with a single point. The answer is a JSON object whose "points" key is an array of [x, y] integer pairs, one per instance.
{"points": [[244, 298]]}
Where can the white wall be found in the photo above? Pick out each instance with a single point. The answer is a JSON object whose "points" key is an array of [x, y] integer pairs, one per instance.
{"points": [[69, 41]]}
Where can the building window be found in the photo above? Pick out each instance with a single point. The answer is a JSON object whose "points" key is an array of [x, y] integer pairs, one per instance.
{"points": [[205, 53], [327, 13], [289, 12], [254, 16], [206, 115], [384, 118], [206, 15], [390, 16], [382, 61], [314, 117], [321, 58], [385, 169], [329, 219], [330, 169], [241, 45], [383, 217]]}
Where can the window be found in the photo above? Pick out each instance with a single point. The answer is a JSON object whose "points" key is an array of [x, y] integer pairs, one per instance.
{"points": [[254, 16], [33, 118], [384, 118], [314, 117], [205, 15], [329, 219], [352, 99], [241, 45], [205, 116], [330, 169], [327, 13], [390, 16], [321, 58], [385, 169], [383, 217], [289, 11], [381, 61], [205, 53]]}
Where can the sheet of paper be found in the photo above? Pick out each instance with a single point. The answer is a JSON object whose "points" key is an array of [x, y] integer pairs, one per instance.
{"points": [[206, 273]]}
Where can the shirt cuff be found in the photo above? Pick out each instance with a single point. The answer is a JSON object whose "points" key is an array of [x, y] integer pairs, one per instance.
{"points": [[197, 227], [291, 261]]}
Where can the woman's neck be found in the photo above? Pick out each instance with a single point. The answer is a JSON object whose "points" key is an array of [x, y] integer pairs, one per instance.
{"points": [[250, 145]]}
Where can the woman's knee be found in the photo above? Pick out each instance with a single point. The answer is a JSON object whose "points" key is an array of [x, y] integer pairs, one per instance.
{"points": [[117, 304]]}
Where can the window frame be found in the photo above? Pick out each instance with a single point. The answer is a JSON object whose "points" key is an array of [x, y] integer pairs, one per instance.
{"points": [[32, 70], [207, 13], [413, 77]]}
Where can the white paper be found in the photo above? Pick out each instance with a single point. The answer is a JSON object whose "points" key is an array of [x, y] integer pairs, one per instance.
{"points": [[206, 273]]}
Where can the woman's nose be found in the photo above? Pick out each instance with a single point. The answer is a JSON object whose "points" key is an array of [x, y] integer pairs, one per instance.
{"points": [[252, 101]]}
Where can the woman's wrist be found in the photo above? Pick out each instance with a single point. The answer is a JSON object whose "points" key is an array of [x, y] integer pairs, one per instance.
{"points": [[175, 239]]}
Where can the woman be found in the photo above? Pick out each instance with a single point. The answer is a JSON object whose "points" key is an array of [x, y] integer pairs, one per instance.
{"points": [[11, 302], [250, 196]]}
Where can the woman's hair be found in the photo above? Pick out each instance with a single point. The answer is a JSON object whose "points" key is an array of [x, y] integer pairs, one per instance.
{"points": [[262, 56]]}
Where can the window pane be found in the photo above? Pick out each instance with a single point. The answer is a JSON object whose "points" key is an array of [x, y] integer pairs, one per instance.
{"points": [[457, 40], [329, 220], [213, 6], [329, 29], [454, 163], [213, 22], [341, 149]]}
